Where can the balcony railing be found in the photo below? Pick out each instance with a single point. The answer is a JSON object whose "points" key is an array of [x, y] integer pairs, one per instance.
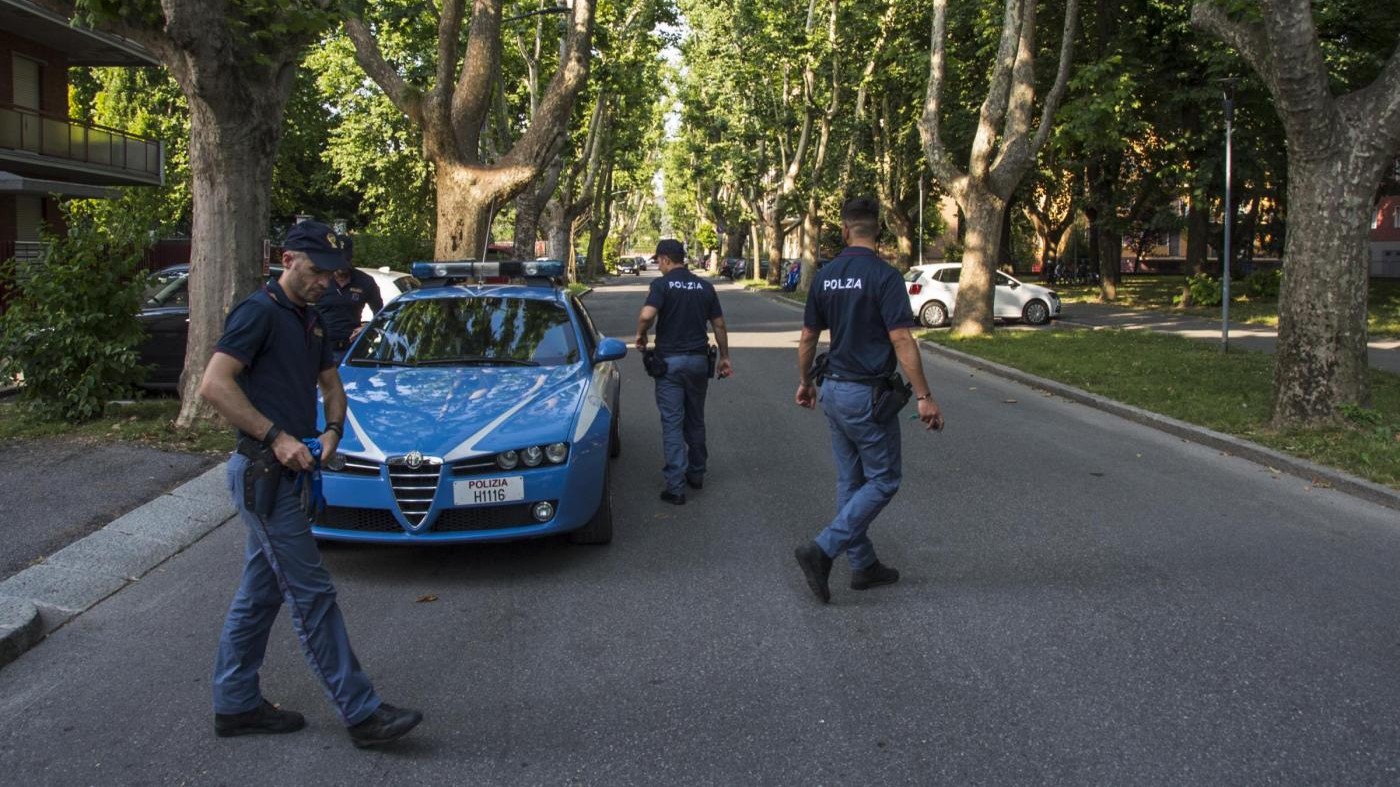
{"points": [[86, 143]]}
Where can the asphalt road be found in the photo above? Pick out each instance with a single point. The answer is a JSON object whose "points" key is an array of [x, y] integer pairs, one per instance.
{"points": [[53, 492], [1084, 600]]}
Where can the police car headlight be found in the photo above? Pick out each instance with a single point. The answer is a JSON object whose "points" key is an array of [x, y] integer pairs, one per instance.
{"points": [[336, 462], [507, 460], [556, 453], [532, 456]]}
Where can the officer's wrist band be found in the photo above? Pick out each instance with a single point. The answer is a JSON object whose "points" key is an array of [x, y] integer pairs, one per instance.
{"points": [[925, 396], [272, 432], [334, 426]]}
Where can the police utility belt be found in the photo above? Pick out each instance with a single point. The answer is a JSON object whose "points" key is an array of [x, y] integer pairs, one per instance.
{"points": [[655, 362], [891, 392]]}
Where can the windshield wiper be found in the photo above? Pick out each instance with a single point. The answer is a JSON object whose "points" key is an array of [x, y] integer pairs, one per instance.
{"points": [[375, 362], [478, 360]]}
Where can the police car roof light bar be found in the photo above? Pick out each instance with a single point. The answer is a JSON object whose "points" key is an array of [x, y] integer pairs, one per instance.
{"points": [[462, 269]]}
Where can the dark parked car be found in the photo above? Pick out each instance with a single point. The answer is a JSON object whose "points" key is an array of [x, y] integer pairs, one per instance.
{"points": [[166, 318]]}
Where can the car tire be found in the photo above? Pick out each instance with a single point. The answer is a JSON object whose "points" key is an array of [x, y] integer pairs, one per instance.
{"points": [[615, 436], [933, 315], [1037, 312], [599, 529]]}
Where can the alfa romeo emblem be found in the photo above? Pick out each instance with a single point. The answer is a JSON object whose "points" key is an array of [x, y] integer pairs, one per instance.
{"points": [[414, 460]]}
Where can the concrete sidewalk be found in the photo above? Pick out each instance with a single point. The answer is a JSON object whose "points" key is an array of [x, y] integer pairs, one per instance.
{"points": [[1384, 354]]}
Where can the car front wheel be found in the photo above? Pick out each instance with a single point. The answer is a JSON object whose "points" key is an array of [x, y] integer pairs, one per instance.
{"points": [[1036, 313], [933, 315]]}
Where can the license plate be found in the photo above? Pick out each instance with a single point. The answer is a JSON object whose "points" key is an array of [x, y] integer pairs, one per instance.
{"points": [[488, 491]]}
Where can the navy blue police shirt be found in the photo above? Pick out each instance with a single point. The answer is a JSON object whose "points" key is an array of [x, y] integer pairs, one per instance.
{"points": [[859, 298], [342, 307], [685, 304], [283, 349]]}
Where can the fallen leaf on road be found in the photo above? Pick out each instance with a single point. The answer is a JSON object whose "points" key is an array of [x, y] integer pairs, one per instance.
{"points": [[426, 598], [1321, 484]]}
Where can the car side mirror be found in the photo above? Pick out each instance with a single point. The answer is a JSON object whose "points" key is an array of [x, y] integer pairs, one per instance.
{"points": [[610, 350]]}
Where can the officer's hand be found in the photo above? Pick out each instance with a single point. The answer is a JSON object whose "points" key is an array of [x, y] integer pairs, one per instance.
{"points": [[807, 396], [726, 369], [642, 343], [330, 441], [930, 414], [355, 333], [291, 452]]}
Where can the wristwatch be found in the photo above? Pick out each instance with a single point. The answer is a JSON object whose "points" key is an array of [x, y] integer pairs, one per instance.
{"points": [[925, 396], [334, 426], [272, 432]]}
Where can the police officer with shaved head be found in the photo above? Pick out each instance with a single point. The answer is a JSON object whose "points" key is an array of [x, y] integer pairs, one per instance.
{"points": [[263, 378], [682, 305], [860, 299]]}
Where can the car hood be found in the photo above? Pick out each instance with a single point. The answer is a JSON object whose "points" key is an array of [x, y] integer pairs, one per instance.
{"points": [[458, 412]]}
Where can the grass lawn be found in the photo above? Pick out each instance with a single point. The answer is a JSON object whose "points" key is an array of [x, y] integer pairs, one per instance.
{"points": [[763, 286], [147, 422], [1192, 381], [1156, 293]]}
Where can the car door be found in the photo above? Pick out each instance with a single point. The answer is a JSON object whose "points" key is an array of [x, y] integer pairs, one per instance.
{"points": [[1007, 303], [166, 319]]}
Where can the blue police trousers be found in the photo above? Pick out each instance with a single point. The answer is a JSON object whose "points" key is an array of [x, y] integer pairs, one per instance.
{"points": [[867, 455], [680, 396], [283, 565]]}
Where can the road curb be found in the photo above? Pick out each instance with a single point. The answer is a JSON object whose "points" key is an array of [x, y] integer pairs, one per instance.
{"points": [[1316, 474], [43, 597]]}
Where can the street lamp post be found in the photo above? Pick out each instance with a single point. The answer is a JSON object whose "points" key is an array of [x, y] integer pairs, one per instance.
{"points": [[1225, 253]]}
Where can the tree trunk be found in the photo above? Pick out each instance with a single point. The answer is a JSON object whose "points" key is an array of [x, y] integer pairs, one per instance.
{"points": [[973, 314], [734, 237], [811, 242], [231, 157], [529, 207], [1197, 238], [1320, 360], [903, 228], [464, 211], [775, 237]]}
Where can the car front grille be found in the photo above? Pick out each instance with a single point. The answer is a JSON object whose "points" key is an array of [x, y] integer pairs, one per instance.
{"points": [[456, 520], [477, 465], [414, 488], [365, 520]]}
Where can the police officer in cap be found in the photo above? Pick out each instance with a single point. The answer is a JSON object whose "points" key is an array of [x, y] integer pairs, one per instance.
{"points": [[263, 378], [861, 300], [343, 303], [681, 304]]}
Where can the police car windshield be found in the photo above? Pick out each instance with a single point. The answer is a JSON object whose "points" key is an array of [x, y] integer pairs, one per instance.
{"points": [[488, 331]]}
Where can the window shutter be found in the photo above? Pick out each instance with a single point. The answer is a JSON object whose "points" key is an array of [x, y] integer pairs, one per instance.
{"points": [[27, 76]]}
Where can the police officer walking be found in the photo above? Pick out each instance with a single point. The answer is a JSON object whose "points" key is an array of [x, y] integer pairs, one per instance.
{"points": [[343, 303], [681, 304], [263, 378], [861, 300]]}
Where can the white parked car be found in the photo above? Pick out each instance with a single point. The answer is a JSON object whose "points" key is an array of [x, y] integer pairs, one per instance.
{"points": [[933, 294], [391, 283]]}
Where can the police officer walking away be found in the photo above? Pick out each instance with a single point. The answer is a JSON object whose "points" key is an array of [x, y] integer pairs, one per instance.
{"points": [[680, 304], [263, 378], [861, 299], [343, 303]]}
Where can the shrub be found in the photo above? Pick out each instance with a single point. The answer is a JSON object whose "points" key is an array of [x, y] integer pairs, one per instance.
{"points": [[612, 252], [1264, 284], [71, 328], [397, 251], [1205, 290]]}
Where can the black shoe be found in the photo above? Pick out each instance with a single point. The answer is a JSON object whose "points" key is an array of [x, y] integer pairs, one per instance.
{"points": [[816, 566], [266, 719], [386, 724], [674, 498], [695, 481], [876, 575]]}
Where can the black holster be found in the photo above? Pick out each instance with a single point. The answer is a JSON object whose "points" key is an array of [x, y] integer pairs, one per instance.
{"points": [[711, 360], [260, 478], [654, 363], [817, 372], [890, 397]]}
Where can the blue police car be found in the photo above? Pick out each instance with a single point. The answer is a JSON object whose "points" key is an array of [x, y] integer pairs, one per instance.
{"points": [[476, 413]]}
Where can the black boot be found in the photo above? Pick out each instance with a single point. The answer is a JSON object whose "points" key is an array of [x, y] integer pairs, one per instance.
{"points": [[674, 498], [386, 724], [874, 576], [266, 719], [816, 567]]}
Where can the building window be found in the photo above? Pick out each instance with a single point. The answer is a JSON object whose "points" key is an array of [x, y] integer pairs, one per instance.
{"points": [[29, 217], [1397, 218]]}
